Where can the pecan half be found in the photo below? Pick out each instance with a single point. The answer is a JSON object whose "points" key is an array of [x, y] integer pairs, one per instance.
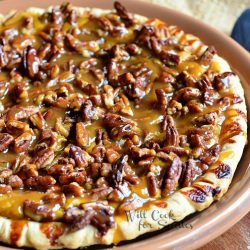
{"points": [[40, 182], [19, 113], [211, 155], [15, 181], [152, 184], [172, 135], [74, 189], [162, 100], [5, 141], [22, 142], [38, 120], [118, 170], [31, 61], [97, 214], [43, 157], [124, 14], [191, 171], [36, 211], [207, 119], [171, 177], [81, 157], [222, 81]]}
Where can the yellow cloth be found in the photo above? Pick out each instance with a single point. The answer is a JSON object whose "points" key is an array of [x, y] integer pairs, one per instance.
{"points": [[221, 14]]}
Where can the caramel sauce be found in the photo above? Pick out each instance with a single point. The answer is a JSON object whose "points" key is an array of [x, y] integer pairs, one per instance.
{"points": [[192, 68], [11, 203], [52, 231], [16, 228]]}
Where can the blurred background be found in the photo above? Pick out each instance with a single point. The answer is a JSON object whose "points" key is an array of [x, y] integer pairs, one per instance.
{"points": [[221, 14]]}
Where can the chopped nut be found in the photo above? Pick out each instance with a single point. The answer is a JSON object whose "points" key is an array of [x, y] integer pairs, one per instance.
{"points": [[172, 176], [82, 136], [43, 158], [22, 142], [37, 212], [5, 141]]}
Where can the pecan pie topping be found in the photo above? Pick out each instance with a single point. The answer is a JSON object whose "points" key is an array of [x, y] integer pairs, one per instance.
{"points": [[95, 109]]}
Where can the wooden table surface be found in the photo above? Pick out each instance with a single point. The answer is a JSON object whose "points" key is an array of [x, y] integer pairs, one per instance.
{"points": [[236, 238]]}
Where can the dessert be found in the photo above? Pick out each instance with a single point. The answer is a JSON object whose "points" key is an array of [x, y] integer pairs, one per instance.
{"points": [[112, 125]]}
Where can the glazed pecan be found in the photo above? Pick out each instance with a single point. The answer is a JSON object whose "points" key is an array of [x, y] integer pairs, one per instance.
{"points": [[21, 112], [172, 135], [5, 189], [89, 112], [5, 141], [169, 58], [15, 181], [152, 184], [82, 136], [190, 171], [5, 174], [162, 100], [96, 214], [36, 211], [141, 152], [78, 218], [22, 142], [208, 55], [205, 132], [60, 169], [222, 81], [31, 61], [196, 140], [176, 150], [186, 94], [38, 120], [54, 198], [130, 175], [105, 24], [78, 176], [44, 51], [81, 157], [2, 124], [26, 170], [100, 193], [118, 170], [112, 155], [40, 182], [20, 92], [144, 35], [98, 152], [124, 14], [211, 155], [171, 177], [130, 203], [195, 107], [207, 119], [133, 49], [43, 157], [74, 189], [204, 83], [113, 120]]}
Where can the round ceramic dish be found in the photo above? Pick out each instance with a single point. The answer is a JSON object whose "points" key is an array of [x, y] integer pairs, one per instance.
{"points": [[202, 227]]}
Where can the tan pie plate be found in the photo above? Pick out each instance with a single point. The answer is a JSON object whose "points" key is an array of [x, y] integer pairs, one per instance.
{"points": [[223, 214]]}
